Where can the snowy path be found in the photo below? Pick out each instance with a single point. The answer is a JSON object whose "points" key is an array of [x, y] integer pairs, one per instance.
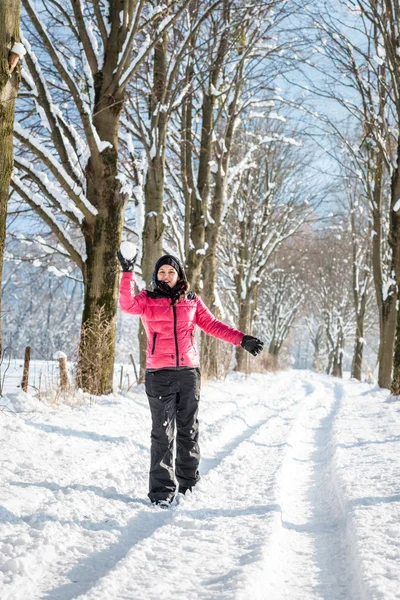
{"points": [[309, 548], [275, 516]]}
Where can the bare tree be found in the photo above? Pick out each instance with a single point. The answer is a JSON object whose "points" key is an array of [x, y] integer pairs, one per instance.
{"points": [[331, 281], [274, 198], [316, 332], [361, 269], [9, 84], [281, 298], [83, 56]]}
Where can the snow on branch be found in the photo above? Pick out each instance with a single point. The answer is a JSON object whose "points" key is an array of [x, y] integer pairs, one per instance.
{"points": [[74, 191], [125, 74], [50, 189], [65, 146], [84, 108], [37, 203], [86, 36]]}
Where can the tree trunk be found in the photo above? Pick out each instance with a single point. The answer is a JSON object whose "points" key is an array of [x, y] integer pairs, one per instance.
{"points": [[386, 306], [316, 342], [337, 367], [245, 324], [9, 33], [102, 236], [316, 364], [152, 237], [395, 386], [187, 175], [360, 297], [274, 348], [387, 333], [394, 241], [331, 345], [199, 200], [330, 363], [356, 368], [210, 345]]}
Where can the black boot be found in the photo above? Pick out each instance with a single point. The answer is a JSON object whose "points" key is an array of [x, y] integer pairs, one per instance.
{"points": [[162, 503]]}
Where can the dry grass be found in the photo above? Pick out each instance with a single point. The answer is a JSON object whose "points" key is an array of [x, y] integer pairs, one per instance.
{"points": [[263, 363]]}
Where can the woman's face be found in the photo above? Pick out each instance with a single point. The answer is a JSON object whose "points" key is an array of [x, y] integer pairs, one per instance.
{"points": [[168, 274]]}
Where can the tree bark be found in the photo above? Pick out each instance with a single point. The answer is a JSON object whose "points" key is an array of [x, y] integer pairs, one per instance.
{"points": [[335, 346], [337, 366], [101, 282], [316, 342], [155, 180], [395, 386], [209, 346], [356, 368], [387, 305], [394, 241], [199, 200], [388, 316], [360, 297], [9, 33], [102, 234], [245, 324], [187, 175]]}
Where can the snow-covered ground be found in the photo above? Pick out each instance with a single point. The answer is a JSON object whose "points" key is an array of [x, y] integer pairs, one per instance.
{"points": [[299, 497]]}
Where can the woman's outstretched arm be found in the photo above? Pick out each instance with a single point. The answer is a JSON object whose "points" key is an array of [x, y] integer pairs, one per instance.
{"points": [[213, 326]]}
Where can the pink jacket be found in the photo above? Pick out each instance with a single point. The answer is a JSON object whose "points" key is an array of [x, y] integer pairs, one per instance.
{"points": [[170, 329]]}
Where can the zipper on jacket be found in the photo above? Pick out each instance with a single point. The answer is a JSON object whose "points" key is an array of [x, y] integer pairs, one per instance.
{"points": [[154, 343], [176, 338]]}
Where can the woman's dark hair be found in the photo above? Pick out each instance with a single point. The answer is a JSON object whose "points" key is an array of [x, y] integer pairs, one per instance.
{"points": [[182, 287]]}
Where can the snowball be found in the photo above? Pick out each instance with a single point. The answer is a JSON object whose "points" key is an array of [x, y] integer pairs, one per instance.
{"points": [[19, 49], [128, 250]]}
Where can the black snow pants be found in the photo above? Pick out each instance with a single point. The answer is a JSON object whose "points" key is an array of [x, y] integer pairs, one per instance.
{"points": [[174, 396]]}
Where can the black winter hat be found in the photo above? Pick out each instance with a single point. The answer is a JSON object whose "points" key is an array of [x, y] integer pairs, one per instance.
{"points": [[174, 262]]}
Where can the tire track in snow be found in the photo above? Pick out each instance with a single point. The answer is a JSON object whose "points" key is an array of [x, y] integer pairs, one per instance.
{"points": [[307, 556], [221, 431], [147, 521], [218, 520]]}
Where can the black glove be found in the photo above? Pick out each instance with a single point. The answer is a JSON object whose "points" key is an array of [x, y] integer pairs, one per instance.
{"points": [[126, 265], [252, 344]]}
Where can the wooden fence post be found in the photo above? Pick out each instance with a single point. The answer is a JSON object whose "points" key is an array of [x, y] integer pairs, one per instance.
{"points": [[25, 375], [62, 361]]}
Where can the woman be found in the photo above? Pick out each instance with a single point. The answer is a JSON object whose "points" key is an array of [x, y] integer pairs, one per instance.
{"points": [[170, 314]]}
